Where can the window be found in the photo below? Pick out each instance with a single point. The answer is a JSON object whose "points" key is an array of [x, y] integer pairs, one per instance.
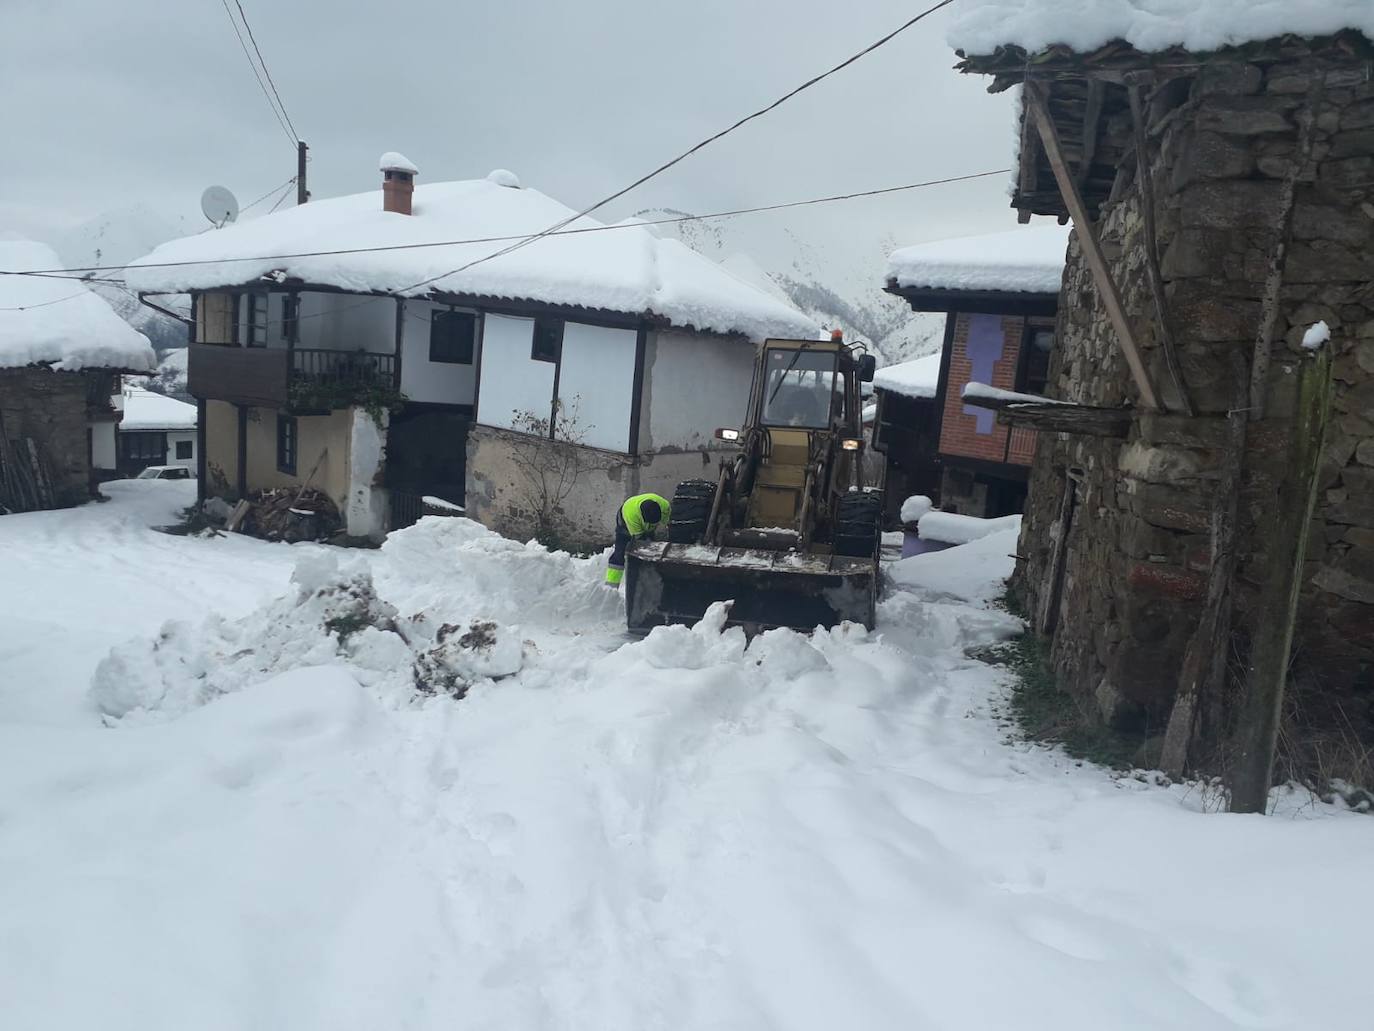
{"points": [[452, 337], [290, 317], [286, 444], [799, 388], [255, 320], [184, 450], [547, 343], [142, 447], [1035, 359]]}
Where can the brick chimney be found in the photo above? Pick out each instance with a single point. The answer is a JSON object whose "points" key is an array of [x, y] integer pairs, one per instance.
{"points": [[398, 182]]}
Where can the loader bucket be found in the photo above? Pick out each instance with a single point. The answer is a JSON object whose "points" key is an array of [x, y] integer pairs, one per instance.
{"points": [[677, 583]]}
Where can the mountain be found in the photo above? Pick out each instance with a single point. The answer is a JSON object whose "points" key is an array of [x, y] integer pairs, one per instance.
{"points": [[114, 238], [840, 287]]}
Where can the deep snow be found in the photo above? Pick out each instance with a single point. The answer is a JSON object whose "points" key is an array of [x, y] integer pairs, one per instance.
{"points": [[680, 831], [1027, 260]]}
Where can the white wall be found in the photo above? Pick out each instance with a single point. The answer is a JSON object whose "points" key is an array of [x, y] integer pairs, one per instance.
{"points": [[596, 383], [511, 380], [692, 386], [434, 382], [103, 452], [177, 435]]}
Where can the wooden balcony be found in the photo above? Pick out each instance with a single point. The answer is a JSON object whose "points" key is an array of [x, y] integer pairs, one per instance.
{"points": [[264, 376]]}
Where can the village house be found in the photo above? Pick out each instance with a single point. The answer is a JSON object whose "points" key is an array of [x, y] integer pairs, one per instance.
{"points": [[999, 293], [1219, 172], [62, 351], [352, 345], [156, 430]]}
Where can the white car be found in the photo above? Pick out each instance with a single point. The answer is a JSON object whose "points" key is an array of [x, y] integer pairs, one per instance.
{"points": [[164, 472]]}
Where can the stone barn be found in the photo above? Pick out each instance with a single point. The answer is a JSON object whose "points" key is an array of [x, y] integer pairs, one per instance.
{"points": [[62, 350], [1219, 172]]}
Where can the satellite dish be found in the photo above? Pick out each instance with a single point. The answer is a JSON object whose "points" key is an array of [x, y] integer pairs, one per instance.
{"points": [[220, 206]]}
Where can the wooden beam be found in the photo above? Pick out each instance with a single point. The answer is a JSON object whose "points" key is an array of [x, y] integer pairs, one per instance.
{"points": [[1048, 616], [1145, 184], [1082, 420], [1092, 249]]}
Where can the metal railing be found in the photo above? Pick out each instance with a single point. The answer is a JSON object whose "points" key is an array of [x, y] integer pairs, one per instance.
{"points": [[323, 365]]}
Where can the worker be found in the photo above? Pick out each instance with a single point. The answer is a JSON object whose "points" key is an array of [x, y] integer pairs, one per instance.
{"points": [[635, 520]]}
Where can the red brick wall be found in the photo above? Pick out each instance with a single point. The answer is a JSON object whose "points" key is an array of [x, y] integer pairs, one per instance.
{"points": [[958, 430]]}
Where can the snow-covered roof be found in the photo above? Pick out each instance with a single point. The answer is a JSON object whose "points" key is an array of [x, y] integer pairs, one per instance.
{"points": [[982, 26], [60, 322], [624, 270], [1028, 260], [917, 378], [148, 410]]}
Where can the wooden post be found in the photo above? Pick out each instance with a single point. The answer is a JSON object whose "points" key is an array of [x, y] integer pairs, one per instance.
{"points": [[1271, 633], [1145, 183], [1059, 553], [1087, 239], [302, 194]]}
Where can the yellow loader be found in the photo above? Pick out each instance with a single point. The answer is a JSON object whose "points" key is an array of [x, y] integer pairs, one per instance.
{"points": [[789, 533]]}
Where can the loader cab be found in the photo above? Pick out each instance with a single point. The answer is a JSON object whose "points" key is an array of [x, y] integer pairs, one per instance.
{"points": [[799, 388]]}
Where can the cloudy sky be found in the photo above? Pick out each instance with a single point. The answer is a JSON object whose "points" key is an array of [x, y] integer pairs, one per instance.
{"points": [[150, 101]]}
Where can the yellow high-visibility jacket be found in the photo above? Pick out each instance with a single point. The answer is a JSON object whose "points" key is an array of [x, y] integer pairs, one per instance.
{"points": [[634, 521]]}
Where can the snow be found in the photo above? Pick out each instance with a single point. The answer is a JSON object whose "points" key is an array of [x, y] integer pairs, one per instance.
{"points": [[60, 322], [146, 410], [918, 378], [984, 392], [504, 177], [1317, 334], [981, 26], [687, 830], [953, 528], [914, 507], [624, 270], [1029, 260], [391, 161], [440, 503]]}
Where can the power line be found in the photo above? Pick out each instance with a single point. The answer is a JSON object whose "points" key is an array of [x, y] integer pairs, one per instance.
{"points": [[294, 135], [257, 75], [692, 150], [62, 273], [255, 203]]}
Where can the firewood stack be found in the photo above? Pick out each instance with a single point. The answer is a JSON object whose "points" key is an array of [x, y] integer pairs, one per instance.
{"points": [[25, 481], [291, 514]]}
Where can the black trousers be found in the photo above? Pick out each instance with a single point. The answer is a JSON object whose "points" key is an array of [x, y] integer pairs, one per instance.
{"points": [[616, 566]]}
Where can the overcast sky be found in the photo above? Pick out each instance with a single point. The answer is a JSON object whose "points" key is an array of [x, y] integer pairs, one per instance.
{"points": [[112, 103]]}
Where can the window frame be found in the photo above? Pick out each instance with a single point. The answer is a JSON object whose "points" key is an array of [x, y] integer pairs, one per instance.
{"points": [[189, 447], [127, 453], [288, 443], [1028, 334], [554, 327], [291, 317], [440, 315]]}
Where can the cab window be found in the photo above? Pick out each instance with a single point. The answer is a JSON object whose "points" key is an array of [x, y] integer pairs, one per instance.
{"points": [[799, 388]]}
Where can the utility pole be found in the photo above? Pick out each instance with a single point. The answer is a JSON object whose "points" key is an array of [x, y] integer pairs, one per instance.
{"points": [[302, 194]]}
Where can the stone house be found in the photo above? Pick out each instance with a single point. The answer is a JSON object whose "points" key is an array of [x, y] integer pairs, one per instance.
{"points": [[376, 347], [62, 352], [1227, 184], [998, 293]]}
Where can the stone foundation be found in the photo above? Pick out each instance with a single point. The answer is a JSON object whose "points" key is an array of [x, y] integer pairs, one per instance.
{"points": [[1139, 548]]}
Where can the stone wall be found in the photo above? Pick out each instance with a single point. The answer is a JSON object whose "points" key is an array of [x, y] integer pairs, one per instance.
{"points": [[50, 408], [1139, 547]]}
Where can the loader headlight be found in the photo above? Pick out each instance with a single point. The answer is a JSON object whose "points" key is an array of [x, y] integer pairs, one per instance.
{"points": [[851, 443], [724, 434]]}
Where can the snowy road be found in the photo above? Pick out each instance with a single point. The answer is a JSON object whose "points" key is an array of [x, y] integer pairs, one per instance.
{"points": [[674, 832]]}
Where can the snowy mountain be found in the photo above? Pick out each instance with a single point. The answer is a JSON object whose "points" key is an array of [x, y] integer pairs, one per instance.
{"points": [[119, 236], [838, 288]]}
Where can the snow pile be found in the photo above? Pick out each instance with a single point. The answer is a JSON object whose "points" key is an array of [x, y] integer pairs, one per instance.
{"points": [[453, 623], [1316, 335], [392, 161], [147, 410], [914, 507], [981, 26], [973, 572], [1029, 260], [953, 528], [625, 270], [60, 322], [919, 378]]}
